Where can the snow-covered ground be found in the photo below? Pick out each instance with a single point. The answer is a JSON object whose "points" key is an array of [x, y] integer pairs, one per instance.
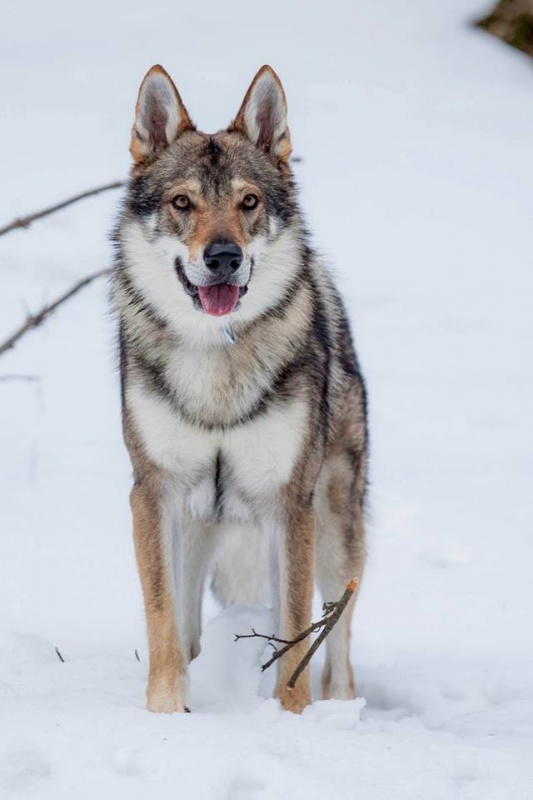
{"points": [[416, 137]]}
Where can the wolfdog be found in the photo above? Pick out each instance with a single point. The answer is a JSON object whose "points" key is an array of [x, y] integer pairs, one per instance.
{"points": [[244, 408]]}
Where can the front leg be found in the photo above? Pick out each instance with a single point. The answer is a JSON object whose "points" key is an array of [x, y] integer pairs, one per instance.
{"points": [[296, 580], [152, 534]]}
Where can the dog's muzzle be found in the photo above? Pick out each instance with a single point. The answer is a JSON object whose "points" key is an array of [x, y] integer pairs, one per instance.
{"points": [[216, 286]]}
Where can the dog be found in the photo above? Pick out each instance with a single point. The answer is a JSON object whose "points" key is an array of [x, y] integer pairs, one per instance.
{"points": [[244, 407]]}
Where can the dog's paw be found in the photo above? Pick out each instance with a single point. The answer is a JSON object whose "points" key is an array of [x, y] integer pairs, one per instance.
{"points": [[296, 699], [342, 687], [165, 705], [162, 699]]}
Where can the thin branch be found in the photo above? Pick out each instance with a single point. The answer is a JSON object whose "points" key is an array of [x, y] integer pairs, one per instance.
{"points": [[313, 628], [34, 320], [335, 612], [255, 635], [60, 656], [25, 222], [28, 378], [331, 615]]}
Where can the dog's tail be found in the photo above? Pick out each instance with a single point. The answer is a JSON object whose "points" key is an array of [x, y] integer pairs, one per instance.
{"points": [[241, 571]]}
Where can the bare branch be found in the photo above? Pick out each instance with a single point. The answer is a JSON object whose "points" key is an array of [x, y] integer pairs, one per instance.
{"points": [[511, 21], [335, 611], [60, 656], [25, 222], [331, 614], [28, 378], [255, 635], [34, 320], [313, 628]]}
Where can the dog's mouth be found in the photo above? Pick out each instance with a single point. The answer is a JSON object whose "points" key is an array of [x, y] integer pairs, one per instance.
{"points": [[218, 299]]}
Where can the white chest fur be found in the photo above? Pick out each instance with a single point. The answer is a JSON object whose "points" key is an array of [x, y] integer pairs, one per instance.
{"points": [[246, 464]]}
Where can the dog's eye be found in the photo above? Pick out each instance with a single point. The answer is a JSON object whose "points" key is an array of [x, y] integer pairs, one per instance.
{"points": [[181, 202], [250, 202]]}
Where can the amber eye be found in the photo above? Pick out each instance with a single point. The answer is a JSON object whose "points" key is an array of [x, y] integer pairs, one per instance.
{"points": [[181, 202], [250, 201]]}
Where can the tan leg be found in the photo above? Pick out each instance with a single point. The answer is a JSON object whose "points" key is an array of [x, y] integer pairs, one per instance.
{"points": [[340, 557], [337, 679], [167, 677], [297, 561]]}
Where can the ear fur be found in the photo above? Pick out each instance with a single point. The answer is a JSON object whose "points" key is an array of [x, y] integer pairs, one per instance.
{"points": [[160, 116], [263, 116]]}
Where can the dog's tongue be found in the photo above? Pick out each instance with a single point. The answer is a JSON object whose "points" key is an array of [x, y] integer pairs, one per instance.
{"points": [[220, 299]]}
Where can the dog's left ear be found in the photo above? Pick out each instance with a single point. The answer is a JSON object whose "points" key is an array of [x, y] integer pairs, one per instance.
{"points": [[263, 116]]}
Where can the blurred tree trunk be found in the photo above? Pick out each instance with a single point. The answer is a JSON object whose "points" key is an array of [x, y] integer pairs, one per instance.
{"points": [[512, 21]]}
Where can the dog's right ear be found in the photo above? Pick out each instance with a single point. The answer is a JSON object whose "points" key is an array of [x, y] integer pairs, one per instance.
{"points": [[160, 116]]}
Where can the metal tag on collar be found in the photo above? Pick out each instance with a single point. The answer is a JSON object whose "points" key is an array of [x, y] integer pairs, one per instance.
{"points": [[228, 333]]}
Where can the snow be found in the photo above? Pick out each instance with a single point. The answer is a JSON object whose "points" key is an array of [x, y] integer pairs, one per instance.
{"points": [[415, 134]]}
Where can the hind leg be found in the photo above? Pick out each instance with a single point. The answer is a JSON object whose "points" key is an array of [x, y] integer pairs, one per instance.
{"points": [[192, 557], [340, 557]]}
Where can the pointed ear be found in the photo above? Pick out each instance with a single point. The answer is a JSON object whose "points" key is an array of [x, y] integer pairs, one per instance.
{"points": [[160, 116], [263, 115]]}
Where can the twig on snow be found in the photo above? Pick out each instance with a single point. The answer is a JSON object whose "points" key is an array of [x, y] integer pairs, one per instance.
{"points": [[34, 320], [60, 656], [331, 615], [25, 222]]}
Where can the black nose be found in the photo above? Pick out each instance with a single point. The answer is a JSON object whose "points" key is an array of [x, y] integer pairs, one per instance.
{"points": [[223, 257]]}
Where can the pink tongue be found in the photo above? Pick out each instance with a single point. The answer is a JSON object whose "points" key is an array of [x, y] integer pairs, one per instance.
{"points": [[220, 299]]}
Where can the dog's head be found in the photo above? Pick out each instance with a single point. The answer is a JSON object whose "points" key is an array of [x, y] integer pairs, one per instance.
{"points": [[211, 218]]}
